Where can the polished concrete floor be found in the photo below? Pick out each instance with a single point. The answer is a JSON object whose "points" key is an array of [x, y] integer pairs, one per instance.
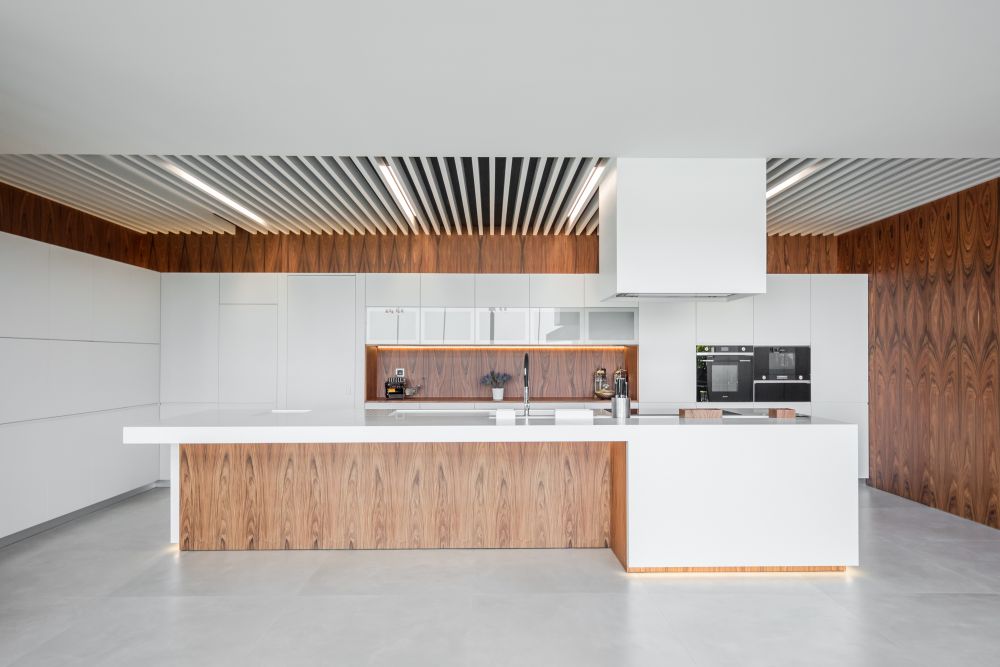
{"points": [[107, 590]]}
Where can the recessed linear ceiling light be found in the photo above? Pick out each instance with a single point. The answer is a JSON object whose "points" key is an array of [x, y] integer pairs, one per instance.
{"points": [[588, 190], [212, 192], [392, 180], [793, 179]]}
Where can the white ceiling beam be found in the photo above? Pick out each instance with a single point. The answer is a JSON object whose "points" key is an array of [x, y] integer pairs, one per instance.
{"points": [[588, 210], [20, 176], [438, 199], [540, 165], [460, 168], [346, 195], [521, 178], [406, 180], [446, 177], [506, 187], [89, 177], [271, 177], [311, 181], [367, 206], [479, 194], [547, 194], [160, 206], [560, 201], [579, 183], [413, 170], [226, 170], [492, 187], [299, 187], [370, 172]]}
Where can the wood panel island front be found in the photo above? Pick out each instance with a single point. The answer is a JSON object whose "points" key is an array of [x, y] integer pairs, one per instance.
{"points": [[664, 494]]}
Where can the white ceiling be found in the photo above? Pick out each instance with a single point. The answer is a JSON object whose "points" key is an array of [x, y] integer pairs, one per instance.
{"points": [[855, 78], [319, 194]]}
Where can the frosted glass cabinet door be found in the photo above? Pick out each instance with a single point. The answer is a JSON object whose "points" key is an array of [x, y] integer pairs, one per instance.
{"points": [[612, 325], [383, 325], [502, 326], [553, 326], [453, 326], [408, 331], [459, 326]]}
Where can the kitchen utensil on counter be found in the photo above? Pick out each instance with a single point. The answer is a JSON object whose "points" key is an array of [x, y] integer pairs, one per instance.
{"points": [[621, 405], [410, 392], [781, 413]]}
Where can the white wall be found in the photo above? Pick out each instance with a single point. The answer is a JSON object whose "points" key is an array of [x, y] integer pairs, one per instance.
{"points": [[79, 359]]}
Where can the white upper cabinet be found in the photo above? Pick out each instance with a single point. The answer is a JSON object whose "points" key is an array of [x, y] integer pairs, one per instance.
{"points": [[126, 303], [840, 338], [392, 289], [508, 290], [612, 325], [725, 322], [447, 290], [248, 288], [556, 326], [781, 316], [502, 326], [556, 290]]}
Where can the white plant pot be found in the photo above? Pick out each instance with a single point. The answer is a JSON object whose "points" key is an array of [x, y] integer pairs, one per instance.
{"points": [[498, 394]]}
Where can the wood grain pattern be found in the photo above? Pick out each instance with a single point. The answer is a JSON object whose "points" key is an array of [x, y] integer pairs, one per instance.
{"points": [[619, 502], [449, 373], [933, 351], [699, 413], [802, 254], [762, 568], [395, 496], [35, 217]]}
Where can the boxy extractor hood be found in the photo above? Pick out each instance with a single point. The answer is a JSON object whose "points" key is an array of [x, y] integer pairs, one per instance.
{"points": [[683, 228]]}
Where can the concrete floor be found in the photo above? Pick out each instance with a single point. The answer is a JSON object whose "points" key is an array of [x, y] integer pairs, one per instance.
{"points": [[107, 590]]}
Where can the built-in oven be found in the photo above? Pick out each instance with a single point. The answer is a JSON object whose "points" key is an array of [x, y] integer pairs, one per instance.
{"points": [[782, 373], [724, 373]]}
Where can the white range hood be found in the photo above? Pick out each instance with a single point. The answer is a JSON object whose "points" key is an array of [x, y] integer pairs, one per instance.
{"points": [[683, 228]]}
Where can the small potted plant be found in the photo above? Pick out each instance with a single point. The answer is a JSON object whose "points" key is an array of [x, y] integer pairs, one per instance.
{"points": [[495, 381]]}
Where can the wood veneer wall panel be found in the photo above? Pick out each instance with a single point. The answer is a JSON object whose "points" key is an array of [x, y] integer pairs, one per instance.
{"points": [[934, 365], [619, 502], [454, 372], [802, 254], [395, 496]]}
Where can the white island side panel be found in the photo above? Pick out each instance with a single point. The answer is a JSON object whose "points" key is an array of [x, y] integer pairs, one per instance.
{"points": [[773, 496]]}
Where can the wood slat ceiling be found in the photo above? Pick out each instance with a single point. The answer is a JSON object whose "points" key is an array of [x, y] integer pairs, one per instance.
{"points": [[845, 193], [318, 194]]}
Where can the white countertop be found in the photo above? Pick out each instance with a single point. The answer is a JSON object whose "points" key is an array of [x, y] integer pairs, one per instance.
{"points": [[265, 426]]}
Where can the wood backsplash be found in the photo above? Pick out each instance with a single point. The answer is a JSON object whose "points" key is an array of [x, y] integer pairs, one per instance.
{"points": [[454, 372]]}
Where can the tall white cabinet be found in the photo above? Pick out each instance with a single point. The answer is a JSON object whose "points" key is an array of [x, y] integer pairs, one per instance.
{"points": [[840, 353], [321, 350]]}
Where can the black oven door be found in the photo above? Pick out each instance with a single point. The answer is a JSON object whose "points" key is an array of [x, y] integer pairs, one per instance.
{"points": [[729, 378]]}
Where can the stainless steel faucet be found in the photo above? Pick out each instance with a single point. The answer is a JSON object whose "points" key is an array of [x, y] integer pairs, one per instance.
{"points": [[527, 399]]}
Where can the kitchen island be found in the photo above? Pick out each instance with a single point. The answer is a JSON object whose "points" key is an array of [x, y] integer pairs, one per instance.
{"points": [[665, 494]]}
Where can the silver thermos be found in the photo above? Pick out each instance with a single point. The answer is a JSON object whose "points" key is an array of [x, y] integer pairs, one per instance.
{"points": [[621, 406]]}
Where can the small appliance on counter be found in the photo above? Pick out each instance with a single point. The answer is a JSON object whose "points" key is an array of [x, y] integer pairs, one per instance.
{"points": [[601, 387], [782, 373], [724, 373], [395, 385]]}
